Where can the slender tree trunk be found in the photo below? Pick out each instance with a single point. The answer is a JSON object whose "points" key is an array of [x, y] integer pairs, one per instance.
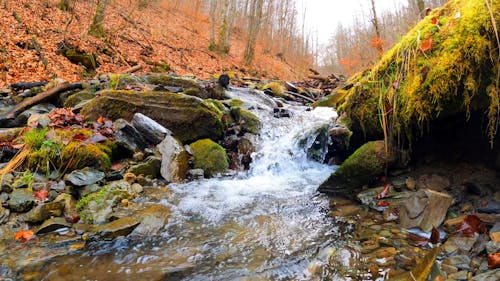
{"points": [[97, 27], [253, 30], [213, 16], [229, 9], [376, 25], [421, 8]]}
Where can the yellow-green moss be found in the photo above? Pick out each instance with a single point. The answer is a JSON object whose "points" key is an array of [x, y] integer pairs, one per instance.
{"points": [[209, 156], [414, 86], [55, 154], [275, 87]]}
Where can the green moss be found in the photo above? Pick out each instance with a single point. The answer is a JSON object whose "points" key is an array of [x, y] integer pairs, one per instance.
{"points": [[251, 122], [235, 102], [34, 138], [54, 154], [414, 87], [209, 156], [364, 164], [276, 88]]}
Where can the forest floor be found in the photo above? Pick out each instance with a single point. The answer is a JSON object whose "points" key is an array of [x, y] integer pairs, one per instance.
{"points": [[153, 36]]}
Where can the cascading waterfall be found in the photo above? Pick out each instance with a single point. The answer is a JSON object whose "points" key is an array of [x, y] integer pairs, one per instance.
{"points": [[268, 222]]}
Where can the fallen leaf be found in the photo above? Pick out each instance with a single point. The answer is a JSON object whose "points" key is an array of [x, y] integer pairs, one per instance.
{"points": [[383, 204], [434, 20], [427, 45], [79, 137], [423, 73], [24, 235], [470, 225], [100, 120], [417, 240], [434, 239], [494, 260], [96, 138], [384, 192], [41, 195]]}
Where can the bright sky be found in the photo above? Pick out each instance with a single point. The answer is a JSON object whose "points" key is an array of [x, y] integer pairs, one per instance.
{"points": [[323, 16]]}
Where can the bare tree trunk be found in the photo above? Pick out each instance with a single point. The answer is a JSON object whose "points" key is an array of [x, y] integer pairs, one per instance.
{"points": [[97, 27], [421, 8], [213, 9], [253, 30], [229, 9], [376, 25]]}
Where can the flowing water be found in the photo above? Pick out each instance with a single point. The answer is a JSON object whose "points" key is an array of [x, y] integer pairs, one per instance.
{"points": [[265, 223]]}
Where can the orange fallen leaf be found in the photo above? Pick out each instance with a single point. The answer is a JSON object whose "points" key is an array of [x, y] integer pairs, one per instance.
{"points": [[427, 45], [383, 204], [434, 239], [434, 20], [470, 225], [24, 235], [41, 195], [494, 260], [384, 192], [100, 120]]}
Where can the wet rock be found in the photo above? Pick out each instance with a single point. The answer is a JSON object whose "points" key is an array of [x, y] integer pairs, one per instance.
{"points": [[37, 109], [459, 243], [44, 211], [386, 252], [248, 121], [196, 174], [492, 247], [77, 98], [425, 209], [150, 167], [281, 113], [244, 150], [6, 183], [365, 163], [81, 228], [209, 156], [433, 182], [149, 128], [38, 121], [120, 227], [495, 233], [51, 225], [346, 211], [492, 275], [460, 275], [85, 176], [174, 162], [459, 261], [58, 186], [4, 214], [137, 188], [153, 220], [69, 205], [493, 207], [21, 200], [411, 183], [96, 207], [189, 118], [128, 137], [369, 246]]}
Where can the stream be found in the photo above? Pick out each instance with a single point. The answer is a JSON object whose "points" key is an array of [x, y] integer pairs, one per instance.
{"points": [[265, 223]]}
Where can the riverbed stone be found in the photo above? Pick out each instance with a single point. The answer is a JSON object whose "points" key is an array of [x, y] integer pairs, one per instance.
{"points": [[4, 215], [43, 108], [149, 128], [459, 261], [209, 156], [153, 220], [174, 160], [364, 164], [53, 224], [461, 243], [120, 227], [44, 211], [21, 200], [491, 275], [433, 182], [189, 118], [150, 167], [128, 137], [85, 176]]}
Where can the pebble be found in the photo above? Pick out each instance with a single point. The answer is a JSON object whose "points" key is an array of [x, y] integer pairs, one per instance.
{"points": [[460, 275], [460, 261]]}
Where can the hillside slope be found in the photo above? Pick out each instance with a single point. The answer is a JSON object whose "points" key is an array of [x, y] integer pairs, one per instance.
{"points": [[152, 36]]}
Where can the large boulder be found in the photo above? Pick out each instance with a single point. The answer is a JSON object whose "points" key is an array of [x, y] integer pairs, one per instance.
{"points": [[209, 156], [367, 162], [188, 117]]}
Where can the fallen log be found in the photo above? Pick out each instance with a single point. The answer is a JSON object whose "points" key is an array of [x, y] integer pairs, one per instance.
{"points": [[318, 77], [315, 72], [26, 85], [300, 96], [8, 118], [133, 69]]}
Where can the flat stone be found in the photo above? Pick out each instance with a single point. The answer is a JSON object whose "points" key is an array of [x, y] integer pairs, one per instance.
{"points": [[492, 275], [120, 227], [459, 261], [346, 211], [51, 225], [461, 243], [150, 167], [492, 247], [153, 220], [433, 182], [85, 176], [425, 209], [128, 137], [43, 212], [149, 128], [460, 275], [21, 200]]}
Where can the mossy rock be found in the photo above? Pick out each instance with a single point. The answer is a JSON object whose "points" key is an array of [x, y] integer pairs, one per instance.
{"points": [[249, 122], [366, 163], [88, 60], [54, 153], [188, 117], [276, 88], [79, 97], [446, 65], [209, 156]]}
